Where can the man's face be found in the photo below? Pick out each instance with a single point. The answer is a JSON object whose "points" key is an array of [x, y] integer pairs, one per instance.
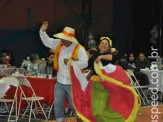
{"points": [[141, 57], [66, 43]]}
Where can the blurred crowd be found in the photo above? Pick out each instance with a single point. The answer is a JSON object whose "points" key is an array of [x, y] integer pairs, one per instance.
{"points": [[43, 66]]}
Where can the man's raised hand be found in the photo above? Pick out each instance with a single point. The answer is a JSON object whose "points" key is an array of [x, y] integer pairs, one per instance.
{"points": [[44, 26]]}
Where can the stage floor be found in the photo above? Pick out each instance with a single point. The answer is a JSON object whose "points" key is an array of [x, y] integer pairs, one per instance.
{"points": [[144, 115]]}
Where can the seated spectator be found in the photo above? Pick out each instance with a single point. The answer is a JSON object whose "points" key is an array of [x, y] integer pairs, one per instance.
{"points": [[46, 65], [128, 62], [131, 61], [142, 78], [124, 63], [142, 62]]}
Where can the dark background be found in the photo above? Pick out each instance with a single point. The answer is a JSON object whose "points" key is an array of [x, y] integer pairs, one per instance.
{"points": [[126, 22]]}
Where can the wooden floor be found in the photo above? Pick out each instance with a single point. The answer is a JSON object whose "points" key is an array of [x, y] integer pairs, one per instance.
{"points": [[144, 115]]}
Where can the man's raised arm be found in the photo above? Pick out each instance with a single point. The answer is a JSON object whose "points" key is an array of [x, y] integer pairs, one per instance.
{"points": [[47, 41]]}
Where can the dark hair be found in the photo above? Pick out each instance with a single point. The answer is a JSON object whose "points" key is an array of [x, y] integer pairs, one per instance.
{"points": [[50, 53], [124, 56], [131, 53], [47, 56], [4, 51], [141, 53], [92, 51], [34, 56]]}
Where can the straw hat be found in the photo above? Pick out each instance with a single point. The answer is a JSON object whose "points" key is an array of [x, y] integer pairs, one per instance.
{"points": [[67, 34]]}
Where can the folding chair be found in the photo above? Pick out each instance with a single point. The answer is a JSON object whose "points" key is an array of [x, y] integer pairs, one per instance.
{"points": [[48, 110], [3, 89], [12, 82], [32, 100], [135, 84]]}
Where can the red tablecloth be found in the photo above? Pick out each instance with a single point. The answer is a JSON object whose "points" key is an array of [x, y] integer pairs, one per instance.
{"points": [[43, 87]]}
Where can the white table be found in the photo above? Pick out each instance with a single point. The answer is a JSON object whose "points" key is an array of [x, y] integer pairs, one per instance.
{"points": [[155, 76]]}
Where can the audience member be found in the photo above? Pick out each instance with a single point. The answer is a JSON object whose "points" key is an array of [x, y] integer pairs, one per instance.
{"points": [[128, 62], [142, 78], [131, 61], [142, 62], [46, 65], [124, 63]]}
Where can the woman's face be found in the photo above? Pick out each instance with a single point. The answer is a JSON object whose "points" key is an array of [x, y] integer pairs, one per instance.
{"points": [[131, 57], [50, 59], [104, 46]]}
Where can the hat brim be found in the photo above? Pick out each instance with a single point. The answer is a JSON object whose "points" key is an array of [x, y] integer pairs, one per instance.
{"points": [[68, 38]]}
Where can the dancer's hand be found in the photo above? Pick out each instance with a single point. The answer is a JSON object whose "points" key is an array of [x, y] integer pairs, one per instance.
{"points": [[98, 59], [66, 61], [73, 59], [44, 26]]}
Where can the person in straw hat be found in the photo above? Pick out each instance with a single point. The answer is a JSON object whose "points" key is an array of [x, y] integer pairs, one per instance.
{"points": [[66, 47]]}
